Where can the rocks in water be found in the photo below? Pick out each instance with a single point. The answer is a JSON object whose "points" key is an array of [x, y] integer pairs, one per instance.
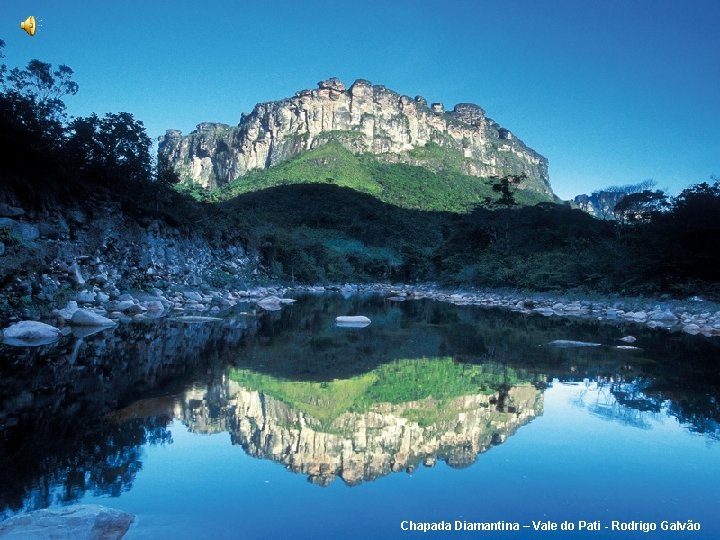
{"points": [[67, 312], [663, 316], [84, 317], [628, 339], [270, 303], [565, 343], [352, 321], [30, 333], [692, 329], [89, 521]]}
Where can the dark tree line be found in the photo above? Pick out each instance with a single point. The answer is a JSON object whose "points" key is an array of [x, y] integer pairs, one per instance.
{"points": [[51, 157]]}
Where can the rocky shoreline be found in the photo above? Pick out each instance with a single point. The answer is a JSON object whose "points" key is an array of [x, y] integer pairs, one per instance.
{"points": [[93, 310]]}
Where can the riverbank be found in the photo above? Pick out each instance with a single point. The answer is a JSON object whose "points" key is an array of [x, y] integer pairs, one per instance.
{"points": [[93, 310]]}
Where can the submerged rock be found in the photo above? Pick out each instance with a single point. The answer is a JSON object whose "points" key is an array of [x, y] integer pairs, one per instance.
{"points": [[570, 343], [30, 333], [70, 523]]}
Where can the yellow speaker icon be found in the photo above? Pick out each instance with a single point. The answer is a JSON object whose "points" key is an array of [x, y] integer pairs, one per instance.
{"points": [[29, 25]]}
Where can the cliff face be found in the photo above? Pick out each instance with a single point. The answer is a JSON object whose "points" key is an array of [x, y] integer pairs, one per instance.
{"points": [[361, 446], [363, 118]]}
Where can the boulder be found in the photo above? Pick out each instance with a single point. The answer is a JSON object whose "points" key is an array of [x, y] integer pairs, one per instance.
{"points": [[665, 316], [67, 312], [68, 523], [21, 231], [30, 333], [83, 317], [564, 343], [628, 339], [193, 295], [85, 296]]}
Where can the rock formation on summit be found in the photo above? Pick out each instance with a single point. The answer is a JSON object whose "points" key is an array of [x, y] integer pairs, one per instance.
{"points": [[363, 118]]}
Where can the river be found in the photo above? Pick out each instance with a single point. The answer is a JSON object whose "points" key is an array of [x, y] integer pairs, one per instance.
{"points": [[283, 425]]}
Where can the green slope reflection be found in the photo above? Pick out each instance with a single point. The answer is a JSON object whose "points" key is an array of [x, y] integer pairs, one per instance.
{"points": [[393, 418]]}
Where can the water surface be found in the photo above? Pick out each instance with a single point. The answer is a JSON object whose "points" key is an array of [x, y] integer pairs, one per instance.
{"points": [[284, 425]]}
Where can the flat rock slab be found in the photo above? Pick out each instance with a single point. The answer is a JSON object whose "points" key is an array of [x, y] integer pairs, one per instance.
{"points": [[30, 334], [569, 343], [81, 522], [83, 317], [352, 321]]}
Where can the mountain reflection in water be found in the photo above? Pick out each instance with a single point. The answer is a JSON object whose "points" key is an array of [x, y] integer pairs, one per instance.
{"points": [[424, 382]]}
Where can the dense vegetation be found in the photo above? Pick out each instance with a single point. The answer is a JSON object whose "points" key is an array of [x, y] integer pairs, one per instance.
{"points": [[330, 215], [438, 185]]}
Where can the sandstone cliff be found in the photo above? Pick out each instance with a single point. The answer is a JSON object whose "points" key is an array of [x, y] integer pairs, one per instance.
{"points": [[363, 118]]}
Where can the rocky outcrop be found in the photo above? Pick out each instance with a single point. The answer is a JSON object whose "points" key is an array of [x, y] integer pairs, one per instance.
{"points": [[362, 446], [363, 118]]}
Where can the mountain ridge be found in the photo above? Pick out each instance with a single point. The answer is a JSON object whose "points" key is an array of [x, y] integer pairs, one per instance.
{"points": [[364, 118]]}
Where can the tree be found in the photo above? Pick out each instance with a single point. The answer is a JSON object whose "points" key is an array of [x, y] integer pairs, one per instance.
{"points": [[641, 207], [114, 149], [503, 186]]}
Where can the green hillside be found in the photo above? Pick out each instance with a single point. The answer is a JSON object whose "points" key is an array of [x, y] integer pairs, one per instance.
{"points": [[438, 186]]}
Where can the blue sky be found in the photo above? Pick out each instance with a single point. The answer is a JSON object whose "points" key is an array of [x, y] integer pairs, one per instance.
{"points": [[611, 92]]}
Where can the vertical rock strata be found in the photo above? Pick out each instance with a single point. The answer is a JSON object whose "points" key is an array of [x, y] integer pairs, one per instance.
{"points": [[363, 118]]}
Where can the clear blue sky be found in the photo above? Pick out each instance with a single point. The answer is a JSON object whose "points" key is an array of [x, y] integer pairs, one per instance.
{"points": [[611, 92]]}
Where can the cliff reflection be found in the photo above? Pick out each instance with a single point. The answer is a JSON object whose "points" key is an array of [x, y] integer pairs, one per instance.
{"points": [[391, 419]]}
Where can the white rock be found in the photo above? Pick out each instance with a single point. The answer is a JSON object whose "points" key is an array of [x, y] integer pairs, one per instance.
{"points": [[628, 339], [83, 317], [31, 333], [356, 321], [68, 523], [692, 329], [570, 343]]}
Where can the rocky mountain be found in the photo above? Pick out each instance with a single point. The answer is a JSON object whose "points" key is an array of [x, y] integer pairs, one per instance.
{"points": [[364, 118]]}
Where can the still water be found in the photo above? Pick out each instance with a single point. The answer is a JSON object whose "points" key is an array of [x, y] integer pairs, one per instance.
{"points": [[284, 426]]}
